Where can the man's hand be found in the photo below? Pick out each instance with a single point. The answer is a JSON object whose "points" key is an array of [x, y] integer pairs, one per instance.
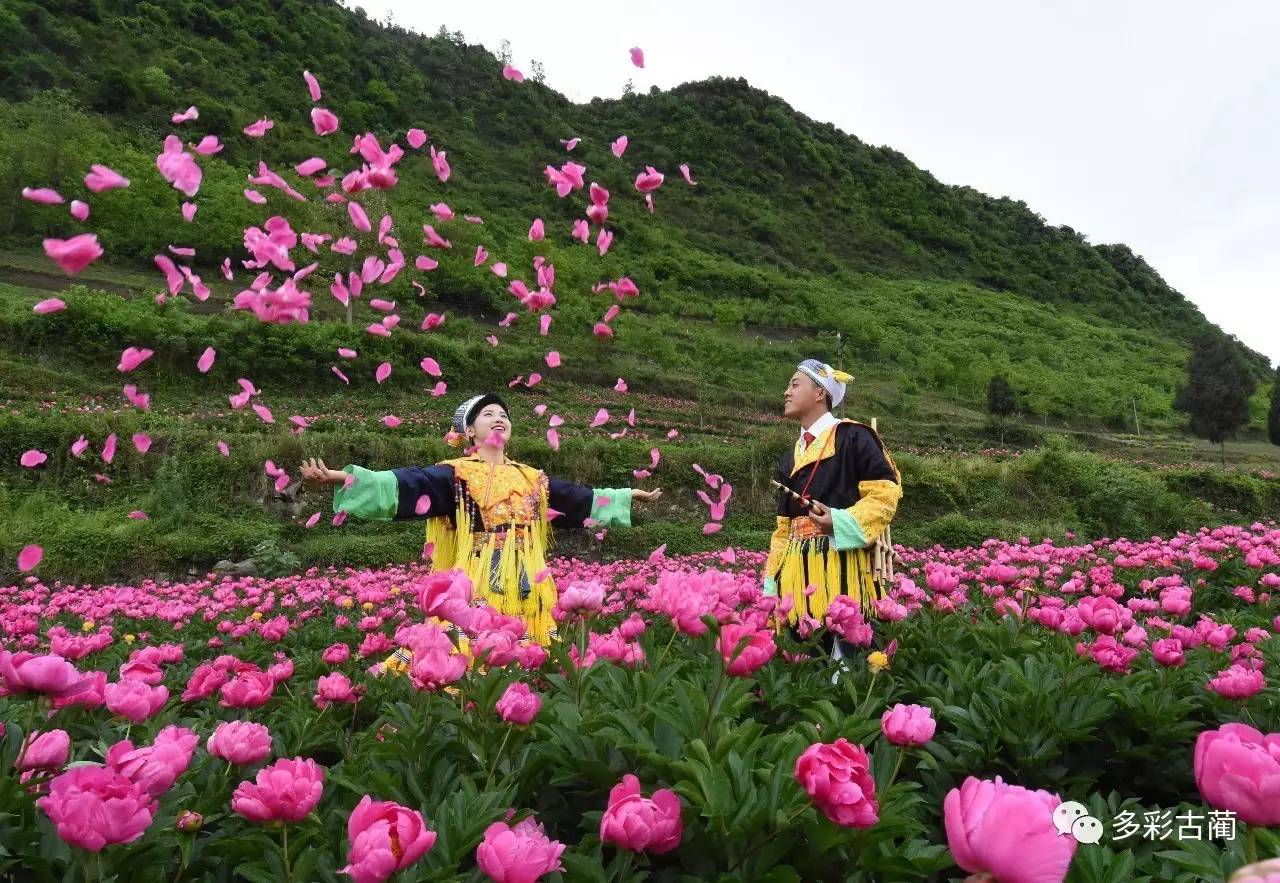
{"points": [[652, 496], [821, 516], [314, 470]]}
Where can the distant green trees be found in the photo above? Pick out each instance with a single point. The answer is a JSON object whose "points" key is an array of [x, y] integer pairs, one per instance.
{"points": [[1273, 415], [1216, 394], [1001, 399]]}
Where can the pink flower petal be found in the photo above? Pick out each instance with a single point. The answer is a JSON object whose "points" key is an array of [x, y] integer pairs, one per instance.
{"points": [[29, 558], [206, 360], [49, 305]]}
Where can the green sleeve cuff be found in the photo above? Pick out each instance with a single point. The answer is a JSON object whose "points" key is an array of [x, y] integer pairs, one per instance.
{"points": [[848, 533], [372, 496], [616, 512], [770, 586]]}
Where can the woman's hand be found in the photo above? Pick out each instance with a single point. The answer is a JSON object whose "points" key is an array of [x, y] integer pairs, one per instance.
{"points": [[652, 496], [314, 470], [820, 515]]}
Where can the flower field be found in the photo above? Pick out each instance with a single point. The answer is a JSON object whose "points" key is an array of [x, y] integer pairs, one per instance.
{"points": [[231, 729]]}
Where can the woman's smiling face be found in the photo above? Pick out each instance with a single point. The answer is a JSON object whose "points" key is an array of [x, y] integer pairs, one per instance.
{"points": [[492, 418]]}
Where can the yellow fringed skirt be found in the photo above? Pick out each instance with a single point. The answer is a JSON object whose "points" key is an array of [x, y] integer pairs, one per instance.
{"points": [[812, 562], [504, 566]]}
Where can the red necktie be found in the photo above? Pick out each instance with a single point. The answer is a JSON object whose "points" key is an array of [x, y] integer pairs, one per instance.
{"points": [[808, 438]]}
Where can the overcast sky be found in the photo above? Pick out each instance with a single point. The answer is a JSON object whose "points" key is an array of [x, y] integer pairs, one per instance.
{"points": [[1156, 124]]}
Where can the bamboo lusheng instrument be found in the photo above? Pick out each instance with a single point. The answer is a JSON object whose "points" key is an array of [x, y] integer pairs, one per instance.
{"points": [[883, 553]]}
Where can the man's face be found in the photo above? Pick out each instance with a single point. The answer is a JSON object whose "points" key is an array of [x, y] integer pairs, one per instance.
{"points": [[801, 397]]}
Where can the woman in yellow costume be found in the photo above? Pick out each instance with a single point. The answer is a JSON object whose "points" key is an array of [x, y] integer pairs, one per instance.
{"points": [[842, 490], [486, 515]]}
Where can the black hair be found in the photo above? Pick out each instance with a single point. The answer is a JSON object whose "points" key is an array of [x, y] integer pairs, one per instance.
{"points": [[485, 401]]}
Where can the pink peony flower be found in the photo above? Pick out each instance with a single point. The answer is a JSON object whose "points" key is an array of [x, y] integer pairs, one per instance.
{"points": [[1238, 769], [1168, 651], [1006, 831], [248, 689], [519, 705], [582, 597], [336, 654], [1261, 872], [908, 725], [641, 824], [444, 594], [519, 854], [334, 687], [240, 742], [134, 700], [49, 751], [384, 838], [746, 660], [93, 807], [838, 778], [1238, 682], [435, 667], [141, 670], [531, 656], [155, 767], [204, 682], [50, 674], [285, 791]]}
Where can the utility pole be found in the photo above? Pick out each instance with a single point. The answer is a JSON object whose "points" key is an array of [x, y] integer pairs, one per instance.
{"points": [[1137, 428]]}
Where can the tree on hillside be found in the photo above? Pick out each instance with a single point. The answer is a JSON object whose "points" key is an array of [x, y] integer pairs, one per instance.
{"points": [[1218, 388], [1273, 416], [1001, 399], [1002, 404]]}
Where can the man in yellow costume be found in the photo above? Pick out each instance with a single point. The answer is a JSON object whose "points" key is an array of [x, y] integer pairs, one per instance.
{"points": [[843, 492], [486, 515]]}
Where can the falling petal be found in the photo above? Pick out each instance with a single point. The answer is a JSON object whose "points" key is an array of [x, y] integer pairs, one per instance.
{"points": [[74, 254], [313, 88], [42, 195], [206, 360], [29, 558]]}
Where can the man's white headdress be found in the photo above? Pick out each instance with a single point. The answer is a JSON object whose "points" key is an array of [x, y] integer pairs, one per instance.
{"points": [[833, 381]]}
